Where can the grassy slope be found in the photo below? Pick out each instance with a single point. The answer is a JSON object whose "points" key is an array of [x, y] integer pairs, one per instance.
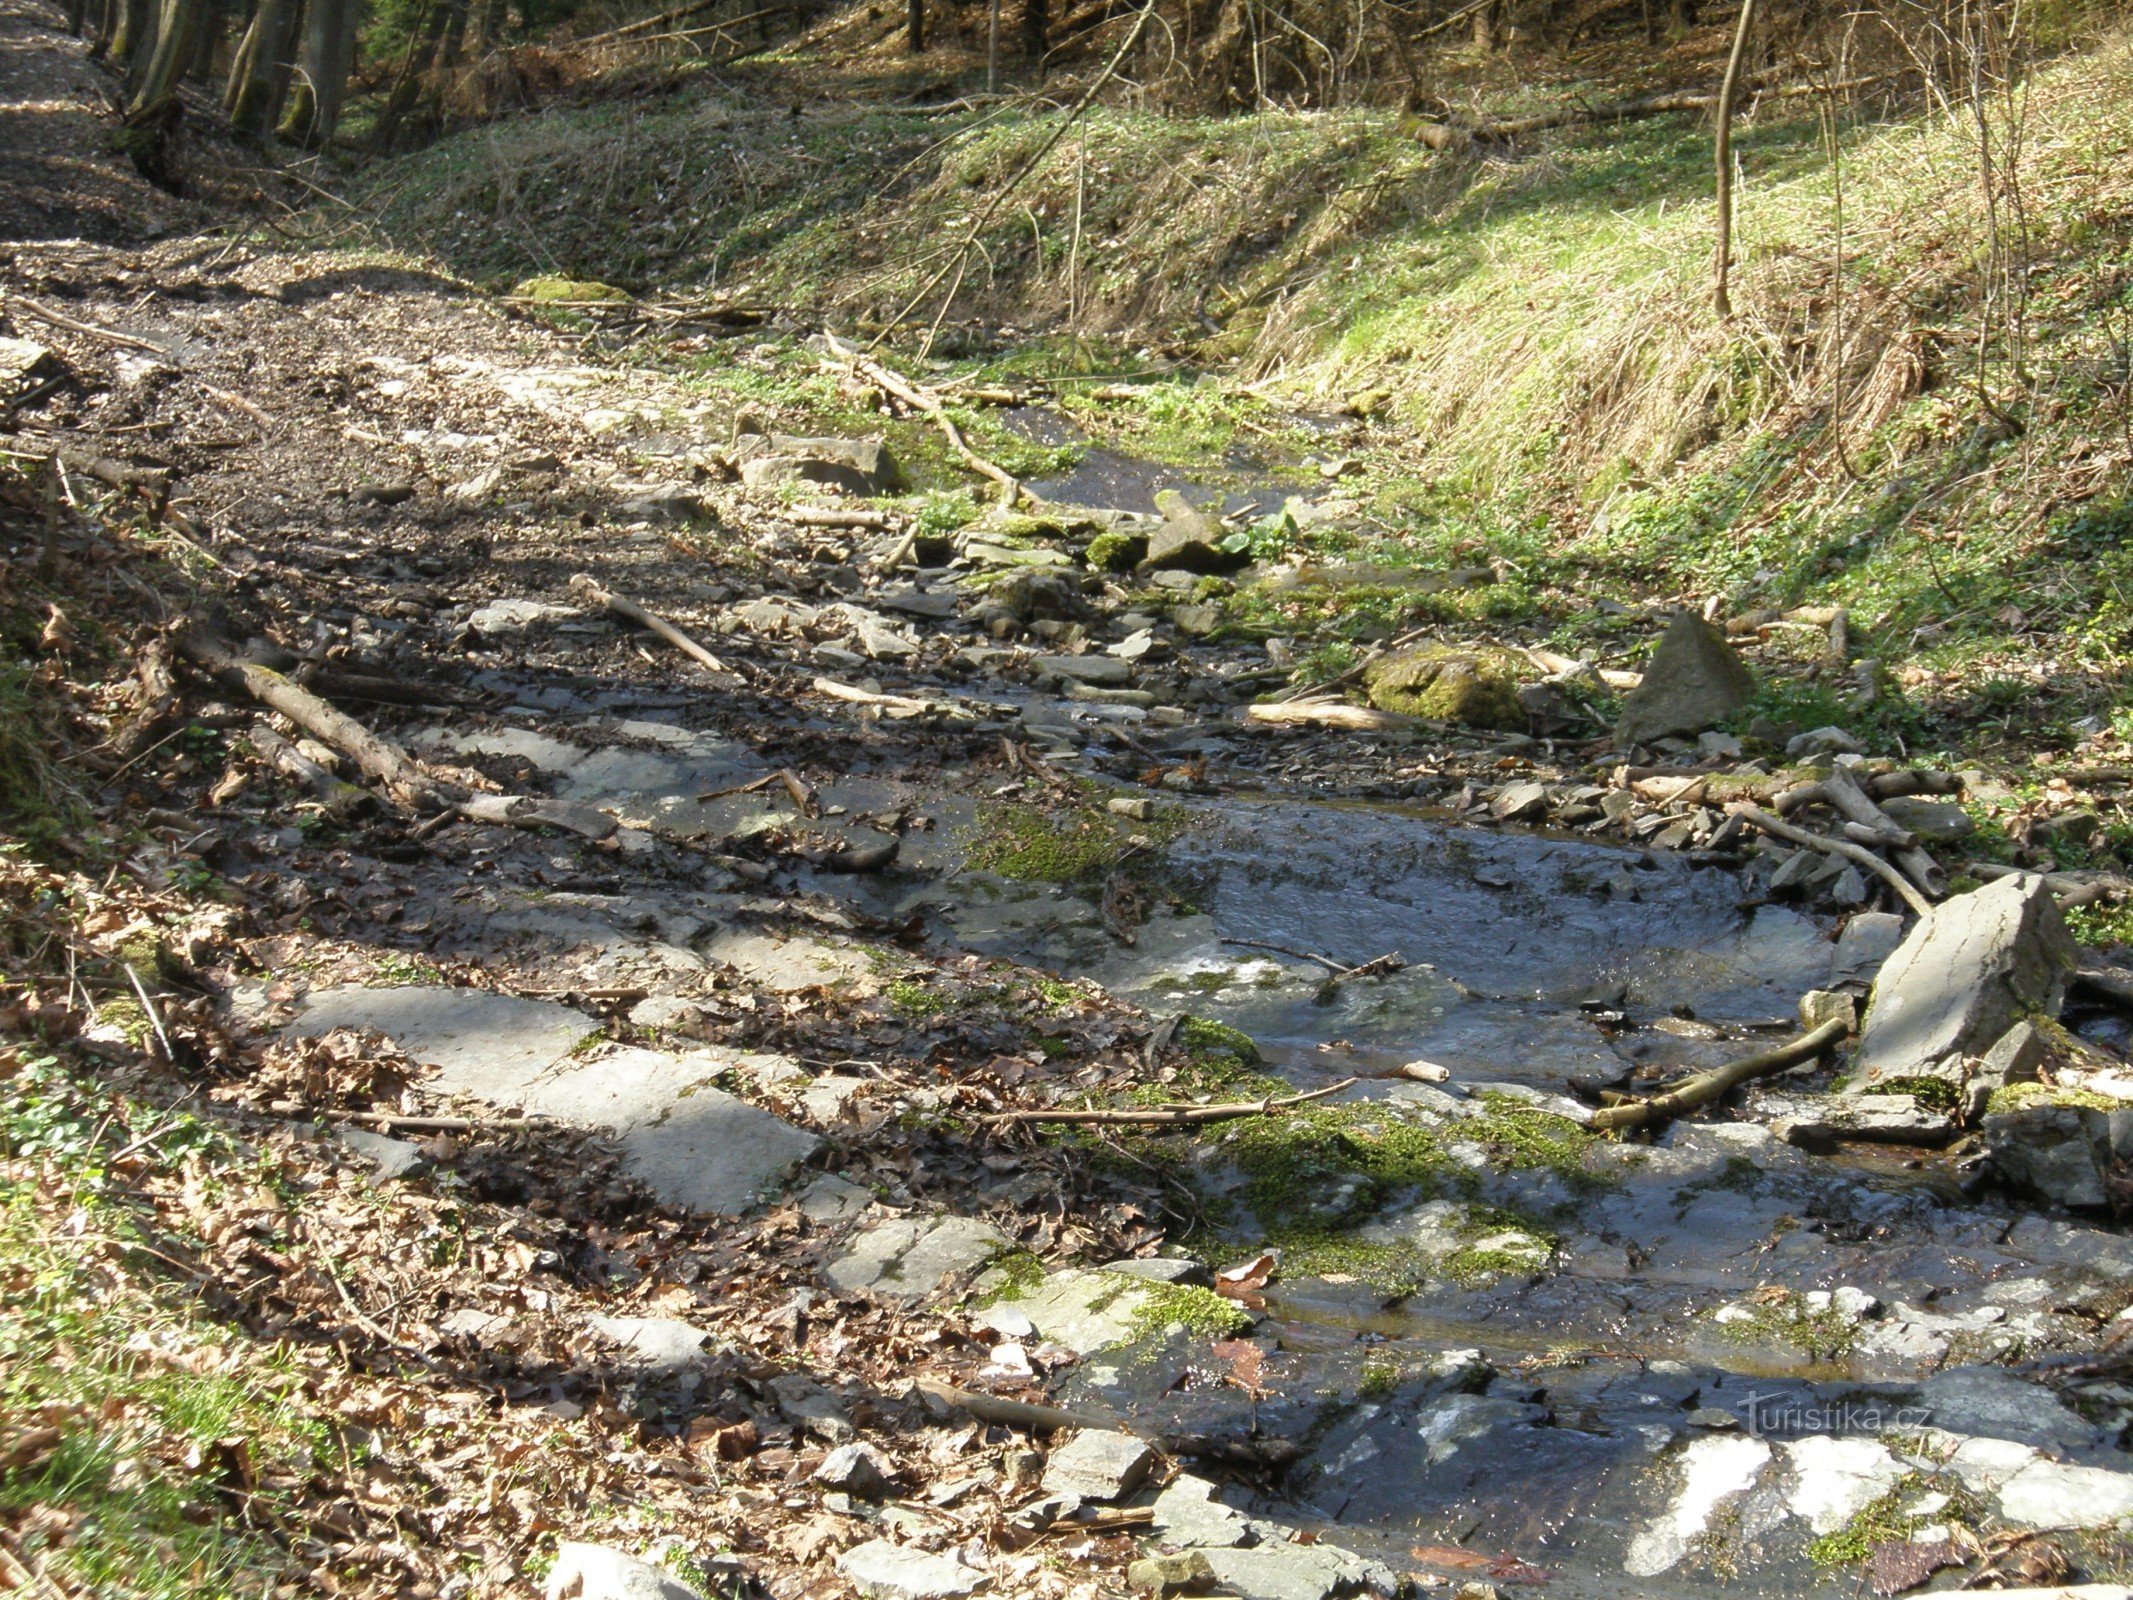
{"points": [[1559, 391]]}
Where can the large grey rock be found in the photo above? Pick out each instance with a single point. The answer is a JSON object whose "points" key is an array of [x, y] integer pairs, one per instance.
{"points": [[1868, 940], [1833, 1480], [682, 1135], [888, 1571], [1713, 1470], [1997, 1403], [1098, 1466], [491, 1045], [1161, 1269], [857, 1468], [1086, 1311], [1088, 669], [1968, 972], [1692, 681], [907, 1258], [594, 1572], [2059, 1154], [2014, 1058], [502, 618]]}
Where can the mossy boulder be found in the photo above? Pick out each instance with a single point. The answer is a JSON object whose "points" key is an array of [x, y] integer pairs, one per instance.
{"points": [[1117, 552], [550, 290], [1476, 687]]}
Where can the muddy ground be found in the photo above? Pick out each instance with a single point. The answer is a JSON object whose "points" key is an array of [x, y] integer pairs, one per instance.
{"points": [[919, 853]]}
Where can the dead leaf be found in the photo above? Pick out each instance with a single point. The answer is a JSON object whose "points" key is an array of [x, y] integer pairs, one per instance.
{"points": [[1247, 1277], [1898, 1564], [1247, 1362]]}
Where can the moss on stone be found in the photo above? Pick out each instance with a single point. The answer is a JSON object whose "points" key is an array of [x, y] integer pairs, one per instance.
{"points": [[1180, 1305], [1474, 687], [556, 289], [1117, 552]]}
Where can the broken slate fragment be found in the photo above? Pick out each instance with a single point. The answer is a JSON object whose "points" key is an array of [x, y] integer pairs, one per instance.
{"points": [[1693, 681], [393, 1158], [1098, 1466], [885, 1570], [594, 1572], [502, 618], [1186, 1572], [654, 1344], [857, 1468], [1970, 970], [1821, 1122]]}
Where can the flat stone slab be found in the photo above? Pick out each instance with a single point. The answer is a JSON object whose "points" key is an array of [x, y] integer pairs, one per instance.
{"points": [[490, 1045], [683, 1137], [1298, 1572], [907, 1258], [688, 1140], [888, 1571]]}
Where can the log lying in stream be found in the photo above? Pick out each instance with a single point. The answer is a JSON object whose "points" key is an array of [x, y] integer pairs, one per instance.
{"points": [[1185, 1116], [1708, 1086]]}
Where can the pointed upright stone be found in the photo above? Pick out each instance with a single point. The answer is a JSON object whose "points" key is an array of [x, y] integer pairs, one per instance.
{"points": [[1692, 682]]}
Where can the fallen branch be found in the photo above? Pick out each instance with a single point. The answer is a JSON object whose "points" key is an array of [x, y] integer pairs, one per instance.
{"points": [[341, 798], [838, 517], [125, 341], [870, 697], [1844, 793], [628, 609], [925, 400], [1009, 1413], [1759, 818], [1708, 1086], [379, 759], [392, 1119], [1328, 714], [1185, 1116], [531, 811], [2068, 888], [1449, 135]]}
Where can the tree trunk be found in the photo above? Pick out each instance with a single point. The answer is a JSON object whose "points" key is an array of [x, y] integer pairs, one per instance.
{"points": [[178, 25], [1485, 27], [454, 44], [321, 80], [259, 81], [1036, 32], [915, 27], [77, 16], [201, 69], [131, 21], [1722, 258], [422, 47]]}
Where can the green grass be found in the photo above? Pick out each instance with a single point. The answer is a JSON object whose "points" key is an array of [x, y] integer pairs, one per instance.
{"points": [[161, 1420]]}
